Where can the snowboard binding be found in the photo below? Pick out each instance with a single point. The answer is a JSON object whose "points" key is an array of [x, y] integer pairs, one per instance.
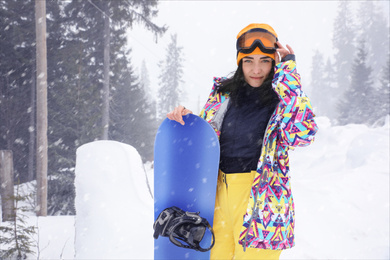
{"points": [[187, 227]]}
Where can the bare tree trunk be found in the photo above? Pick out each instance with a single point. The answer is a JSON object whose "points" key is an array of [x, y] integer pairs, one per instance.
{"points": [[106, 83], [40, 24], [7, 185], [31, 130]]}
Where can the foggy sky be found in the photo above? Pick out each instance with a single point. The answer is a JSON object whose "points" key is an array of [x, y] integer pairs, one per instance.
{"points": [[207, 32]]}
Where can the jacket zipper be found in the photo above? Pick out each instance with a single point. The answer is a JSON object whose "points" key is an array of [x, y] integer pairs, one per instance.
{"points": [[254, 211]]}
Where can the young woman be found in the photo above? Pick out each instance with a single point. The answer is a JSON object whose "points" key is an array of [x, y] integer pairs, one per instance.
{"points": [[259, 114]]}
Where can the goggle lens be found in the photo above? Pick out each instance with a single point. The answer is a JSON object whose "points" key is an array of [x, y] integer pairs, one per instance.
{"points": [[258, 37]]}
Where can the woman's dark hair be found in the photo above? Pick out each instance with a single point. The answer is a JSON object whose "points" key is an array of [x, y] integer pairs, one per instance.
{"points": [[232, 85]]}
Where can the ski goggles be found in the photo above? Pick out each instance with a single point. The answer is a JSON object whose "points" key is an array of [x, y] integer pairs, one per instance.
{"points": [[254, 38]]}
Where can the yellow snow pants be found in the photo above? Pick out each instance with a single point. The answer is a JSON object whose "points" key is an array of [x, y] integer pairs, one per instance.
{"points": [[231, 201]]}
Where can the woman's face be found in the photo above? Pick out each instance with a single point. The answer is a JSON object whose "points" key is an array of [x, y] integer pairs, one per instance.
{"points": [[256, 69]]}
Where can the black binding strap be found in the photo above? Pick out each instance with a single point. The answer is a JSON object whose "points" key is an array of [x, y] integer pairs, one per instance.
{"points": [[179, 225]]}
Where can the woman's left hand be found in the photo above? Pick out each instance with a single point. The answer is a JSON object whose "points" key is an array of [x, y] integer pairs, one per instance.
{"points": [[282, 52]]}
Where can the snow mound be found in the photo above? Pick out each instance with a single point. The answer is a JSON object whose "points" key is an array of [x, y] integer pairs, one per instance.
{"points": [[114, 209]]}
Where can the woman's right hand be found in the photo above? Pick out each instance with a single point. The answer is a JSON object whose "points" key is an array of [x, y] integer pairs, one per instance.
{"points": [[178, 113]]}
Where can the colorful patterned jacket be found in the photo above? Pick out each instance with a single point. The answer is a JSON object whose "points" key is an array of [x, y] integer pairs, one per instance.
{"points": [[270, 219]]}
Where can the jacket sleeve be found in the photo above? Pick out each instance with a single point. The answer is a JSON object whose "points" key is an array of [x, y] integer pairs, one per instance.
{"points": [[297, 126], [209, 109]]}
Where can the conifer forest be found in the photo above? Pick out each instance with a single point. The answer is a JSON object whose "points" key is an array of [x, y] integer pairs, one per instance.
{"points": [[76, 63]]}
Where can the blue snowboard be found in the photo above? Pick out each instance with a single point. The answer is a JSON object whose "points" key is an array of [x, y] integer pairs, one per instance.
{"points": [[186, 161]]}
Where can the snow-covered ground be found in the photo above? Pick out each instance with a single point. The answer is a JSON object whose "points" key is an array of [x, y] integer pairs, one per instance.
{"points": [[340, 185]]}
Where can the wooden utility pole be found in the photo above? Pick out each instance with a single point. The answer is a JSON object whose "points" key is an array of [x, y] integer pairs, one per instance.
{"points": [[41, 166], [106, 83], [7, 185], [31, 129]]}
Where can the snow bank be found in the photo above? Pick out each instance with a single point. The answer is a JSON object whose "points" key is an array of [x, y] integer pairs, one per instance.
{"points": [[55, 237], [114, 209], [340, 185]]}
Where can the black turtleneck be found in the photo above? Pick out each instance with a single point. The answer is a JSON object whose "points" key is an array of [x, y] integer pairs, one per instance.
{"points": [[243, 130]]}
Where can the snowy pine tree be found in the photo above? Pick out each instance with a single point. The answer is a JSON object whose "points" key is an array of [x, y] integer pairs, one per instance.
{"points": [[383, 97], [343, 43], [324, 87], [317, 83], [170, 91], [132, 121], [145, 85], [357, 104], [331, 89], [374, 29], [17, 236], [144, 77], [151, 113]]}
